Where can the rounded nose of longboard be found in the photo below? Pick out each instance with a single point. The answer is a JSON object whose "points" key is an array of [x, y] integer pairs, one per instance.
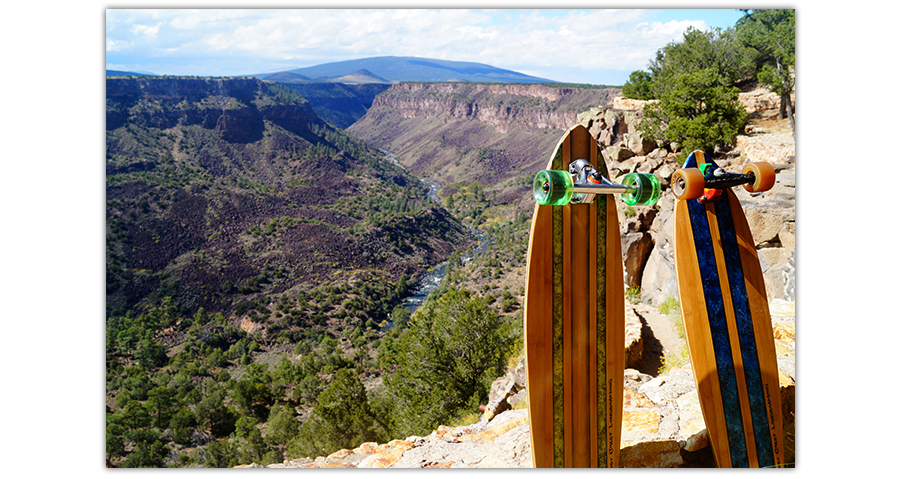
{"points": [[553, 187]]}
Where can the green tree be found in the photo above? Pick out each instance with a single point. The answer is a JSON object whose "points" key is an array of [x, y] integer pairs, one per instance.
{"points": [[220, 454], [254, 394], [212, 414], [134, 415], [182, 424], [639, 86], [281, 426], [697, 113], [115, 444], [719, 51], [454, 348], [150, 354], [148, 450], [341, 418], [160, 402], [694, 81], [772, 34]]}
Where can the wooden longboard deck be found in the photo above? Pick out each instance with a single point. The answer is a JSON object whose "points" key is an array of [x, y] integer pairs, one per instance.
{"points": [[728, 329], [575, 324]]}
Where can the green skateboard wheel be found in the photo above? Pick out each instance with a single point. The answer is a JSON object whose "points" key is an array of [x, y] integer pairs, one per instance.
{"points": [[553, 187], [647, 189]]}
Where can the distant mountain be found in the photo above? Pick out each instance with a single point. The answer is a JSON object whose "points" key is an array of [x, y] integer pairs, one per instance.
{"points": [[120, 73], [361, 76], [288, 77], [397, 69]]}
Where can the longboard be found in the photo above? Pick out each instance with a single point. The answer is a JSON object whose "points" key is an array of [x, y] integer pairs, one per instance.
{"points": [[727, 323], [575, 323]]}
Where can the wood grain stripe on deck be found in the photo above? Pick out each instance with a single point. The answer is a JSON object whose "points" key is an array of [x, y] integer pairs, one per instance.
{"points": [[765, 342], [539, 334], [698, 335], [614, 354], [759, 441], [719, 332]]}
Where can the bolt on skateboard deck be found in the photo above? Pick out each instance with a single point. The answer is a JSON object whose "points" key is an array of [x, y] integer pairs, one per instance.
{"points": [[726, 313], [575, 307]]}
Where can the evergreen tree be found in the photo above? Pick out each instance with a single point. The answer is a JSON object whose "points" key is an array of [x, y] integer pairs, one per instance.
{"points": [[282, 425], [160, 402], [454, 348], [212, 414], [182, 424], [694, 81], [639, 86], [772, 33], [341, 418], [115, 445]]}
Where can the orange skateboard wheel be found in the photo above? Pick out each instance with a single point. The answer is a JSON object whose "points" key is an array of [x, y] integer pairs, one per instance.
{"points": [[764, 173], [688, 183]]}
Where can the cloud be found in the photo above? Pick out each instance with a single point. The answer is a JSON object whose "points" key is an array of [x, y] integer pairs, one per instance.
{"points": [[523, 40], [114, 46], [145, 30]]}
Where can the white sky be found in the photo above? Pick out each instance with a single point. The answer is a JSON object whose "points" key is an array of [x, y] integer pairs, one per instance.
{"points": [[578, 46]]}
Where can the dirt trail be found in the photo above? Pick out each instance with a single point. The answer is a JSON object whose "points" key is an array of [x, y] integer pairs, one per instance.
{"points": [[659, 336]]}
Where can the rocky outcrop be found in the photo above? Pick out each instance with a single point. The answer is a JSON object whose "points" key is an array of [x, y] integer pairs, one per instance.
{"points": [[648, 246], [663, 423]]}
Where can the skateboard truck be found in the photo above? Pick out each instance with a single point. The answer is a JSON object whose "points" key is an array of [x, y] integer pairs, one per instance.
{"points": [[582, 183], [707, 182]]}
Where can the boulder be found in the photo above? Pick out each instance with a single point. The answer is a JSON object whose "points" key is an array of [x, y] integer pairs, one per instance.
{"points": [[618, 152], [636, 248], [639, 144], [634, 342], [502, 389], [658, 278], [661, 453], [622, 103]]}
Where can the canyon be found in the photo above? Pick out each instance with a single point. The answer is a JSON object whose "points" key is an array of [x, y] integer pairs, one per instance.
{"points": [[499, 135], [238, 195]]}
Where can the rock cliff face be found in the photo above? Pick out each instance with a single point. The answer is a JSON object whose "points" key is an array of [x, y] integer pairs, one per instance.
{"points": [[501, 106], [233, 107]]}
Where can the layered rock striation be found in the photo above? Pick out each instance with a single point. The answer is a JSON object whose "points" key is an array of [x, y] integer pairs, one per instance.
{"points": [[501, 106]]}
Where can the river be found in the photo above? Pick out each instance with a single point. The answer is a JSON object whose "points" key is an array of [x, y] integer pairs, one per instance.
{"points": [[431, 279]]}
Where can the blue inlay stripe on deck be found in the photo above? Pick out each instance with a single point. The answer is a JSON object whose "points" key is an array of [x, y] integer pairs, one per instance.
{"points": [[715, 310], [746, 337]]}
